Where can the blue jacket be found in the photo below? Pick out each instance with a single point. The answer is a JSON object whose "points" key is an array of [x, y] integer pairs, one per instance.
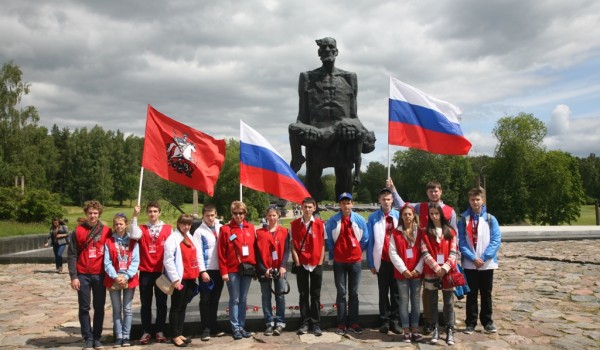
{"points": [[376, 225], [332, 230], [490, 252]]}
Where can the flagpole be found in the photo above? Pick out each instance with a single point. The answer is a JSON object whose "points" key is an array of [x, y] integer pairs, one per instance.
{"points": [[388, 143], [140, 189], [241, 193]]}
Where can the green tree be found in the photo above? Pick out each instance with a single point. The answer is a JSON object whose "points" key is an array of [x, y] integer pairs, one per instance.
{"points": [[372, 181], [25, 149], [413, 169], [557, 191], [589, 168], [517, 155]]}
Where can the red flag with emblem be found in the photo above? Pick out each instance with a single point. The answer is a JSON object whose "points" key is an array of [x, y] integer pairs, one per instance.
{"points": [[181, 154]]}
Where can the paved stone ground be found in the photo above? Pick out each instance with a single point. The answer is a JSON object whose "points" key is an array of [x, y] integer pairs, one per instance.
{"points": [[547, 296]]}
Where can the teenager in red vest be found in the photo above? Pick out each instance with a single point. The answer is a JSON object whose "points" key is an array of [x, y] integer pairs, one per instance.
{"points": [[273, 253], [236, 246], [439, 248], [121, 263], [86, 269], [151, 238], [434, 194], [308, 252], [405, 254]]}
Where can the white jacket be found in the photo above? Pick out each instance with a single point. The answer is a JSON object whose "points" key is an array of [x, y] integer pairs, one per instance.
{"points": [[206, 243], [172, 260]]}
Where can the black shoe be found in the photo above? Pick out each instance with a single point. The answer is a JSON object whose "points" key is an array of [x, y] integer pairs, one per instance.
{"points": [[126, 342], [269, 331], [245, 333], [187, 340], [395, 328], [205, 335], [98, 344], [427, 328], [237, 334], [449, 336], [490, 328], [278, 330], [469, 330], [317, 330], [217, 333], [385, 328], [435, 335], [183, 344], [303, 329]]}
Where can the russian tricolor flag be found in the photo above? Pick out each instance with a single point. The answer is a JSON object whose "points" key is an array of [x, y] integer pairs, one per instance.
{"points": [[263, 169], [418, 120]]}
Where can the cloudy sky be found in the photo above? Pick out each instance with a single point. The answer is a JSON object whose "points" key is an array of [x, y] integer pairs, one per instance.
{"points": [[209, 64]]}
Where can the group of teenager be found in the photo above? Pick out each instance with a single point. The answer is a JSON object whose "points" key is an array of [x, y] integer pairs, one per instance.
{"points": [[410, 249]]}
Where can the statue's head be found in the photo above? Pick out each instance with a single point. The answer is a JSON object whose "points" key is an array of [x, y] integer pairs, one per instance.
{"points": [[327, 49]]}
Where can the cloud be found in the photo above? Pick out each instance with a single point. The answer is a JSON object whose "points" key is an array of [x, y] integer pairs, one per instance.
{"points": [[210, 64], [559, 121]]}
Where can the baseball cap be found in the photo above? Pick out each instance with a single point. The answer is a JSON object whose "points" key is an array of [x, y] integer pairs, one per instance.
{"points": [[345, 195]]}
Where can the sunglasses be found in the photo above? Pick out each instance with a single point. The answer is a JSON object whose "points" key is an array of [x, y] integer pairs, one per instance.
{"points": [[238, 213]]}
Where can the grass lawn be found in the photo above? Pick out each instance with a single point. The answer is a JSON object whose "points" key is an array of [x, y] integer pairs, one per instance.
{"points": [[170, 214]]}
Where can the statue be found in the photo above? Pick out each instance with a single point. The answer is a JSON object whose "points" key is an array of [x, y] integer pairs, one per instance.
{"points": [[328, 125]]}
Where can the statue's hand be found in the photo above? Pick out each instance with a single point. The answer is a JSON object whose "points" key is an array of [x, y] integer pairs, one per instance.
{"points": [[310, 135], [347, 132]]}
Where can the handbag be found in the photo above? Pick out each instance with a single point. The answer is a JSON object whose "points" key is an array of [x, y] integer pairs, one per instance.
{"points": [[295, 269], [248, 270], [453, 278], [164, 284]]}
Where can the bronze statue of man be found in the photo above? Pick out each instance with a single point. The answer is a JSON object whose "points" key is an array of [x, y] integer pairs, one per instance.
{"points": [[328, 125]]}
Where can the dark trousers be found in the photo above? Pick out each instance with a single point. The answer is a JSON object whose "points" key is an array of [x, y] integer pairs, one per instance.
{"points": [[148, 290], [347, 279], [480, 282], [209, 302], [179, 301], [58, 254], [88, 285], [309, 284], [389, 297]]}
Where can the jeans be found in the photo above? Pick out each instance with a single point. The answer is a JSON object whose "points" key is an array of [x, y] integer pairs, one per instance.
{"points": [[350, 273], [58, 254], [480, 282], [448, 296], [388, 293], [179, 301], [209, 302], [238, 287], [410, 290], [147, 290], [91, 284], [309, 284], [122, 305], [265, 288]]}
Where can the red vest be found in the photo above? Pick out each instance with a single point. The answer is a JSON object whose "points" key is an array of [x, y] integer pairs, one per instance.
{"points": [[436, 248], [232, 239], [114, 257], [402, 247], [91, 257], [313, 244], [189, 258], [424, 214], [153, 262], [267, 243]]}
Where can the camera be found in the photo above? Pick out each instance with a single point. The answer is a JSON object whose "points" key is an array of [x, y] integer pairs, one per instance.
{"points": [[437, 284], [275, 274]]}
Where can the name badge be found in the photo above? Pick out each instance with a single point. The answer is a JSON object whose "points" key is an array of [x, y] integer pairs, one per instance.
{"points": [[92, 253], [122, 265], [409, 254], [152, 248], [232, 237], [440, 259], [245, 250], [274, 255]]}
